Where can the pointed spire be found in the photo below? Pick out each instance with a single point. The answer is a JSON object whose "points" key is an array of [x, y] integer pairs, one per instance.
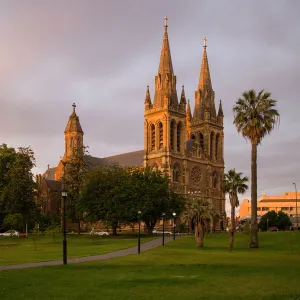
{"points": [[220, 112], [165, 64], [204, 80], [188, 110], [148, 98], [73, 123], [182, 98]]}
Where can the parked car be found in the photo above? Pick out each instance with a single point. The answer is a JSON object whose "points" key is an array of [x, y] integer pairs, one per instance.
{"points": [[160, 232], [99, 232], [10, 233], [273, 228]]}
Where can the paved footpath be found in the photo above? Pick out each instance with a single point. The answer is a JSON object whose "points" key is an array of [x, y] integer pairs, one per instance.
{"points": [[133, 250]]}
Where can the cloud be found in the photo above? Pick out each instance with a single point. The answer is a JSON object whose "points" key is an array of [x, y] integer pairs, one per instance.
{"points": [[102, 54]]}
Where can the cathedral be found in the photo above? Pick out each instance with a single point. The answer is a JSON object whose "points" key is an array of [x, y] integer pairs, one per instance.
{"points": [[188, 147]]}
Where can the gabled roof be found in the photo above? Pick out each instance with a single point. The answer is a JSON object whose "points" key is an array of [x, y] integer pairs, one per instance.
{"points": [[54, 185]]}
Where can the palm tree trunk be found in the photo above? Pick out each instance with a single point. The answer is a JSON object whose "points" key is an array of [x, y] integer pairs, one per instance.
{"points": [[231, 241], [253, 233]]}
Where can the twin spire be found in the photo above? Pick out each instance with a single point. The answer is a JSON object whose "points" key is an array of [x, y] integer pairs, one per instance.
{"points": [[204, 78], [165, 83], [165, 64]]}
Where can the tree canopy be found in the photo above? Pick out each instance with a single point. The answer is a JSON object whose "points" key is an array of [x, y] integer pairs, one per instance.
{"points": [[115, 195], [17, 187], [281, 220]]}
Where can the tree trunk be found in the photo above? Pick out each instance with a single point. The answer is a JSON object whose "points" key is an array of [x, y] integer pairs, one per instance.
{"points": [[150, 226], [231, 233], [114, 228], [253, 232], [199, 235], [78, 227]]}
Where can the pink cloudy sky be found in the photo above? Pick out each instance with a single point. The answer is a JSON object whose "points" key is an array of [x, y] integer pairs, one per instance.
{"points": [[102, 55]]}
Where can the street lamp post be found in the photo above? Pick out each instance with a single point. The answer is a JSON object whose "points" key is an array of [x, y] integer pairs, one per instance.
{"points": [[296, 205], [267, 224], [139, 236], [174, 215], [163, 235], [64, 196]]}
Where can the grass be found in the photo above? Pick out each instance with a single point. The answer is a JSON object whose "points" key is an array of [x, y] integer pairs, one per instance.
{"points": [[22, 250], [176, 271]]}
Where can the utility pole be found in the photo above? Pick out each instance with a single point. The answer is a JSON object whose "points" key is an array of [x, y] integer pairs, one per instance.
{"points": [[297, 221]]}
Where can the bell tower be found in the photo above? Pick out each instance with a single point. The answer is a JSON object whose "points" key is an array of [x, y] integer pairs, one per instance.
{"points": [[206, 161], [73, 140], [164, 119]]}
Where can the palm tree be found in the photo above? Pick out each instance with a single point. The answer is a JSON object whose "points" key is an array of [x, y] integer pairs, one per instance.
{"points": [[199, 210], [234, 184], [254, 117]]}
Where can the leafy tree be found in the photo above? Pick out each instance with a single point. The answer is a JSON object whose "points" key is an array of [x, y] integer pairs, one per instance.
{"points": [[17, 188], [53, 231], [13, 221], [255, 117], [106, 196], [76, 169], [200, 211], [268, 219], [48, 220], [153, 196], [35, 234], [272, 218], [283, 221], [234, 184]]}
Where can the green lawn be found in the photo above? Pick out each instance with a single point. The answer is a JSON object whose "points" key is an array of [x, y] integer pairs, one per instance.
{"points": [[176, 271], [22, 250]]}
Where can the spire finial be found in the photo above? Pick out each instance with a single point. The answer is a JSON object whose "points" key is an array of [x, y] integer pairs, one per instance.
{"points": [[166, 22], [205, 40], [48, 166], [74, 106]]}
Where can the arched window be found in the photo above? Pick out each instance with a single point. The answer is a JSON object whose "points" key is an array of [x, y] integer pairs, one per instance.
{"points": [[214, 179], [201, 141], [152, 129], [172, 132], [217, 145], [161, 135], [211, 143], [178, 136], [176, 175]]}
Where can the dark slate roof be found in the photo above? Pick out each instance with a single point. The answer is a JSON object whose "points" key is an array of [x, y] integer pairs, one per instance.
{"points": [[129, 159], [54, 185]]}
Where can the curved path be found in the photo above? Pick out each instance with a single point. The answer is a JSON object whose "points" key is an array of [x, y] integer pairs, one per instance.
{"points": [[133, 250]]}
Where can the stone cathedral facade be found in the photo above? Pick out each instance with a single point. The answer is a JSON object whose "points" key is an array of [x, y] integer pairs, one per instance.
{"points": [[188, 147]]}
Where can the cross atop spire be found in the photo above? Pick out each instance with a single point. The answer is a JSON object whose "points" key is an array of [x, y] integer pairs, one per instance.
{"points": [[73, 123], [204, 80], [165, 65], [204, 42]]}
